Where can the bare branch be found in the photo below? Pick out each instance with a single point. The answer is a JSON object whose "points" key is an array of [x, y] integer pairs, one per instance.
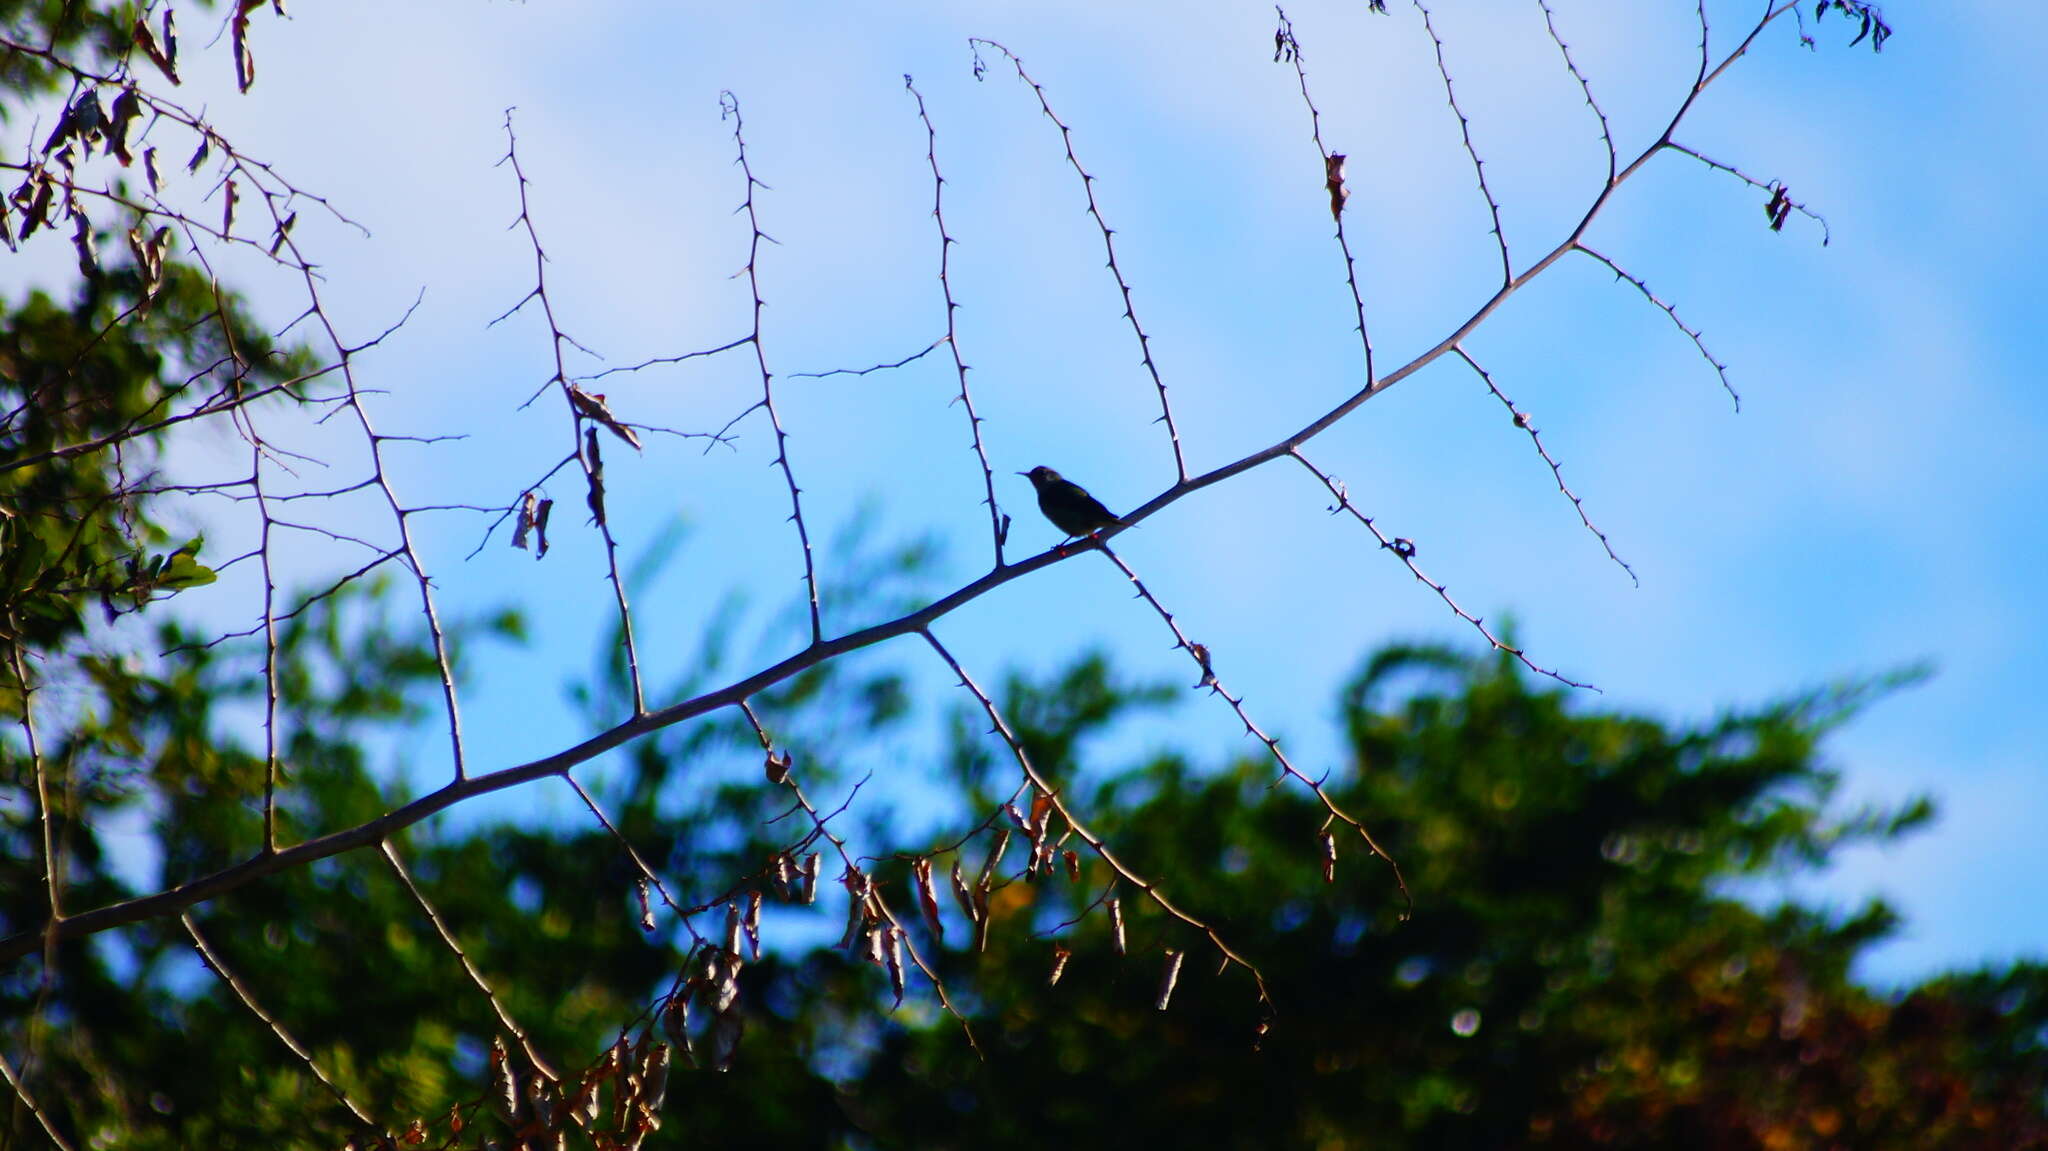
{"points": [[1404, 551], [249, 1001], [998, 531], [731, 106], [1523, 422], [1096, 843], [1180, 463], [1691, 332], [1204, 661]]}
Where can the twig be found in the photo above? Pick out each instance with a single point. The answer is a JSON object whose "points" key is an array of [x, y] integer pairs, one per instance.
{"points": [[584, 446], [730, 105], [912, 358], [1523, 422], [533, 1055], [1180, 463], [1333, 175], [997, 532], [1692, 333], [249, 1001], [1095, 842], [1404, 551], [1204, 661], [1500, 236]]}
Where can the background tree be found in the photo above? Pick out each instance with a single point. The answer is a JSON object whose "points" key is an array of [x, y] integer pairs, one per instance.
{"points": [[284, 832]]}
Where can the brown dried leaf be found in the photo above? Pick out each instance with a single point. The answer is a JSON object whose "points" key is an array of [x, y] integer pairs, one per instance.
{"points": [[1116, 924], [1169, 977], [146, 40], [810, 873], [752, 923], [895, 959], [504, 1082], [963, 895], [82, 240], [527, 504], [1060, 955], [592, 406], [927, 895], [595, 498], [245, 60]]}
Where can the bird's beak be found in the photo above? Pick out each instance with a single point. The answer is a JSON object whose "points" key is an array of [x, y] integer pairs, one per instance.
{"points": [[1026, 475]]}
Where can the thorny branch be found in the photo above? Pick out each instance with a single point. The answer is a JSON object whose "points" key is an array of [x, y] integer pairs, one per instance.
{"points": [[1500, 236], [1205, 662], [249, 1001], [731, 106], [1289, 49], [997, 522], [1404, 550], [1095, 842], [533, 1055], [1180, 462], [582, 432], [1523, 422]]}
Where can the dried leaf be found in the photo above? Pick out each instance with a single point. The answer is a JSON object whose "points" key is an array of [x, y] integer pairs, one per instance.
{"points": [[1060, 955], [646, 908], [654, 1078], [284, 230], [227, 216], [1169, 977], [725, 1039], [895, 960], [995, 855], [1329, 843], [927, 896], [810, 873], [127, 109], [1073, 859], [1116, 924], [146, 40], [504, 1083], [675, 1020], [592, 406], [82, 240], [245, 60], [856, 908], [527, 504], [595, 498], [752, 923], [540, 527], [149, 172], [963, 895], [1333, 179]]}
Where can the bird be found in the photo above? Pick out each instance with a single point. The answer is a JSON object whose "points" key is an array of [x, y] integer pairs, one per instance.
{"points": [[1067, 504]]}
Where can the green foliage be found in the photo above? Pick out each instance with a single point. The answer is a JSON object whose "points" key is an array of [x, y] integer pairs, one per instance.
{"points": [[1572, 975], [81, 388]]}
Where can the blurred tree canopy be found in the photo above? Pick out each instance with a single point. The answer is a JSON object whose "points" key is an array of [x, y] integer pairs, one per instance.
{"points": [[1576, 971]]}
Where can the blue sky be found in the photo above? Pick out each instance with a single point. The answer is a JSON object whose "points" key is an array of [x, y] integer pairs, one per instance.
{"points": [[1879, 500]]}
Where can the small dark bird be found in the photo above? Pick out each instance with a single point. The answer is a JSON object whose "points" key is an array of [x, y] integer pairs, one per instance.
{"points": [[1067, 504]]}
